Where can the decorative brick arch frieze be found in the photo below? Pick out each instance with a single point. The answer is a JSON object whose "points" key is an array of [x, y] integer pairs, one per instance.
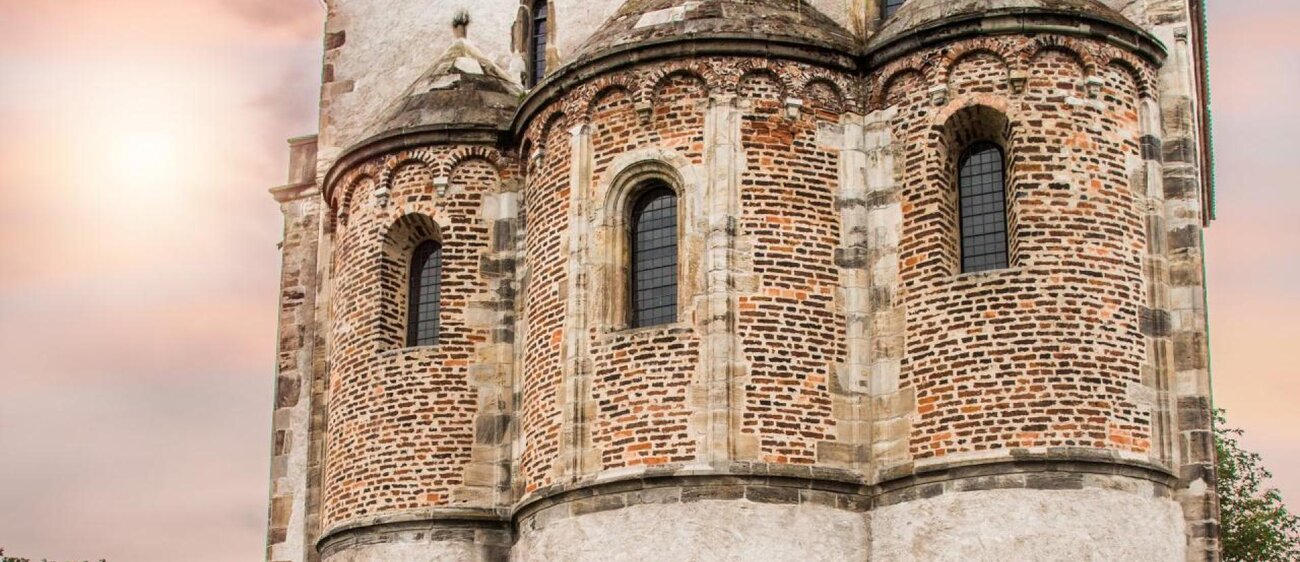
{"points": [[826, 94], [392, 163], [708, 71], [1142, 74], [1085, 51], [999, 47], [592, 92], [458, 155], [893, 75]]}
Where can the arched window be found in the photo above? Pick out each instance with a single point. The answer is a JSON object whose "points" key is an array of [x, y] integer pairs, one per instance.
{"points": [[653, 275], [424, 294], [537, 42], [890, 6], [982, 186]]}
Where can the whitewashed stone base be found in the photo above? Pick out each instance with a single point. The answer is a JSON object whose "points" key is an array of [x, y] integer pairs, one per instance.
{"points": [[737, 530], [407, 552], [1030, 525]]}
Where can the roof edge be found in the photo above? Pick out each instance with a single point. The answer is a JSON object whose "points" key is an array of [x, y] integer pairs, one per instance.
{"points": [[1003, 21]]}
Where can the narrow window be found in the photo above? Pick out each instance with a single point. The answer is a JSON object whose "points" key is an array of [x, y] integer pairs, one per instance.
{"points": [[890, 6], [982, 186], [653, 273], [538, 42], [424, 293]]}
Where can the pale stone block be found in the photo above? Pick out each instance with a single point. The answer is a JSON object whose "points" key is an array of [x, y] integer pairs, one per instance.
{"points": [[701, 531], [1030, 525]]}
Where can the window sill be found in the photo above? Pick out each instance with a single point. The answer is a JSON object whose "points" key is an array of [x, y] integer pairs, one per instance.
{"points": [[625, 331]]}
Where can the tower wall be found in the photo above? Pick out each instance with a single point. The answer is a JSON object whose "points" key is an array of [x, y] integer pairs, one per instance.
{"points": [[420, 433]]}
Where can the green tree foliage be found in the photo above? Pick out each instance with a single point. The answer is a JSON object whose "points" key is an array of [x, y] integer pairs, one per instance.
{"points": [[1256, 526]]}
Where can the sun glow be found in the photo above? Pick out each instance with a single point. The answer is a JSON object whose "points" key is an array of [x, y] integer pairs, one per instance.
{"points": [[145, 158]]}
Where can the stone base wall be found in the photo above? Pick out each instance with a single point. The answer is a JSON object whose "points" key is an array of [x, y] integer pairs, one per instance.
{"points": [[1032, 510], [421, 542], [1029, 525], [681, 529]]}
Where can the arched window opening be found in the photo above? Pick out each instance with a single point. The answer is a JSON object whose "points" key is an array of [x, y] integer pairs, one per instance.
{"points": [[537, 42], [653, 271], [424, 295], [890, 6], [982, 184]]}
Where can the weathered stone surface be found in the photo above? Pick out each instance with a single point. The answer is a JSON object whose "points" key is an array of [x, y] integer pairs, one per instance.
{"points": [[1000, 525], [701, 531]]}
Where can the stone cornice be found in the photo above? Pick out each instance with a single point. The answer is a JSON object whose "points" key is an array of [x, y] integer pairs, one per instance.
{"points": [[293, 191], [1013, 21]]}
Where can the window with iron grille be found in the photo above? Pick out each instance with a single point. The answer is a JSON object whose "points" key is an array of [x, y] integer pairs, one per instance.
{"points": [[538, 41], [653, 283], [890, 6], [982, 186], [424, 295]]}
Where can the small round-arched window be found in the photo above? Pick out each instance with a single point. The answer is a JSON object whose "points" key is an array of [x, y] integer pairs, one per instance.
{"points": [[981, 180], [424, 293], [653, 272]]}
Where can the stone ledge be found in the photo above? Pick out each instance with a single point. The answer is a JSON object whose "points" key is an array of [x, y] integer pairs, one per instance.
{"points": [[451, 518], [1053, 469]]}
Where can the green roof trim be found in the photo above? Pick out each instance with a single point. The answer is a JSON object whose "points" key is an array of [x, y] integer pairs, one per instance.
{"points": [[1207, 115]]}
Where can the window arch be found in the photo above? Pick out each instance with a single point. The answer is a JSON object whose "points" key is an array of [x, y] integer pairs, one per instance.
{"points": [[537, 42], [652, 277], [981, 180], [888, 7], [424, 293]]}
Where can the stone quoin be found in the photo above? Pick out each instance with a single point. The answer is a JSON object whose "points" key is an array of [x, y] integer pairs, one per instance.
{"points": [[817, 280]]}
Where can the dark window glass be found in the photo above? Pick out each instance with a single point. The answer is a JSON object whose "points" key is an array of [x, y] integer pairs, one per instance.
{"points": [[983, 208], [538, 58], [424, 295], [654, 258], [891, 6]]}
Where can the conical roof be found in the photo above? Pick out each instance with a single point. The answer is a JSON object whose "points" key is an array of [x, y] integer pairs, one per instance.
{"points": [[646, 21], [462, 89], [921, 15]]}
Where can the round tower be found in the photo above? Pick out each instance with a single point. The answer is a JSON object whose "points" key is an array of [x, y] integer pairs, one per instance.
{"points": [[733, 282], [420, 335]]}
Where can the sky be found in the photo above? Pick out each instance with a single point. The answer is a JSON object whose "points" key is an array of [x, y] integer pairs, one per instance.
{"points": [[139, 270]]}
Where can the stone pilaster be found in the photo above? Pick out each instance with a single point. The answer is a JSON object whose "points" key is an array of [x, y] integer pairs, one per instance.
{"points": [[890, 406], [291, 526], [722, 371], [576, 453], [853, 425], [1184, 183]]}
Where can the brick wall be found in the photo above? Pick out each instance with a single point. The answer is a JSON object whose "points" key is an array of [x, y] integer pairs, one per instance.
{"points": [[1049, 352], [544, 290], [402, 420], [791, 327]]}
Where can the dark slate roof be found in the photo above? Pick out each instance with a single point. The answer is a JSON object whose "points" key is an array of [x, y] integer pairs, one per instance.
{"points": [[644, 21], [917, 15], [463, 88]]}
